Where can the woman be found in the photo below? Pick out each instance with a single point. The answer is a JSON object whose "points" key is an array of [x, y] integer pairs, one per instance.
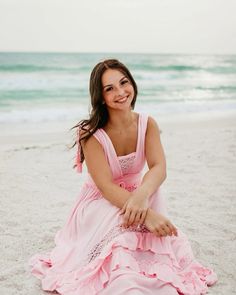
{"points": [[118, 238]]}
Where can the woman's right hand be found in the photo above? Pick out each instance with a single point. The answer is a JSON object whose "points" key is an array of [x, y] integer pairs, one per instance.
{"points": [[159, 224]]}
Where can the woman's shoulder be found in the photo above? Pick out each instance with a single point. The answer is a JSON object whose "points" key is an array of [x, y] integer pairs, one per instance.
{"points": [[151, 121], [86, 136], [152, 124]]}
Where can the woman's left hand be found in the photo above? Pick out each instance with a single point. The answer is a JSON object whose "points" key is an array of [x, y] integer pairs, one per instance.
{"points": [[134, 210]]}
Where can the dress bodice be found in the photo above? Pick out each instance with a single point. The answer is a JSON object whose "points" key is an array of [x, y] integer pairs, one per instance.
{"points": [[127, 162], [126, 170]]}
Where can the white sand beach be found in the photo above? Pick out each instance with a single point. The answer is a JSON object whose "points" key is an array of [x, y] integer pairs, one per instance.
{"points": [[38, 187]]}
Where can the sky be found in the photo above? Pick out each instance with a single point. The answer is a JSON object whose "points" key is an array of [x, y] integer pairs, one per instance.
{"points": [[142, 26]]}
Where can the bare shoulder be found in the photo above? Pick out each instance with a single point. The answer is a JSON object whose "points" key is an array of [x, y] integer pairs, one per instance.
{"points": [[152, 126], [91, 142], [82, 134]]}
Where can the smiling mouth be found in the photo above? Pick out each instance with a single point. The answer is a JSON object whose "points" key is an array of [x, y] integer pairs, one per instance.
{"points": [[122, 99]]}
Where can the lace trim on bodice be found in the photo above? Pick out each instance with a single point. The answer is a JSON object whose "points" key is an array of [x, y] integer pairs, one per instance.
{"points": [[127, 162]]}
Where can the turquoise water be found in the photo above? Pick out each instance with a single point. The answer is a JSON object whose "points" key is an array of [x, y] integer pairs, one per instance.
{"points": [[54, 86]]}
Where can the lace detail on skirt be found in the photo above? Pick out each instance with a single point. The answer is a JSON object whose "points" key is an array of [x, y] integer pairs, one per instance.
{"points": [[114, 232]]}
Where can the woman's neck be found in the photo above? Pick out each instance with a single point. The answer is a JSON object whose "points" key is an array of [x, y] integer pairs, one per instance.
{"points": [[121, 120]]}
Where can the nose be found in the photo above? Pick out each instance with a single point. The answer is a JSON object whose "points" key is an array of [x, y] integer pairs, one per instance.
{"points": [[120, 92]]}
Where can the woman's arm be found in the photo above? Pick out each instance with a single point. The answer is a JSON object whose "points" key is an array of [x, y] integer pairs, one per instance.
{"points": [[156, 161], [135, 209], [101, 173]]}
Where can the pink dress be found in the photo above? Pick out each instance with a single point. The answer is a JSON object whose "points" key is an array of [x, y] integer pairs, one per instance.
{"points": [[94, 255]]}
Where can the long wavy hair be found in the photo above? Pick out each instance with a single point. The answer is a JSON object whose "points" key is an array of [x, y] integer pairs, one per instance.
{"points": [[98, 116]]}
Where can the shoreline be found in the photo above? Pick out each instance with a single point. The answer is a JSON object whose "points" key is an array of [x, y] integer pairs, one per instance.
{"points": [[52, 112]]}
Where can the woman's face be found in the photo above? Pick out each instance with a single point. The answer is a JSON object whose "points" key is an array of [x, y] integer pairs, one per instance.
{"points": [[118, 91]]}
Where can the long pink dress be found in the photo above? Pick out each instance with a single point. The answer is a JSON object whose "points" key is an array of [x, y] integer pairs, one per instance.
{"points": [[94, 255]]}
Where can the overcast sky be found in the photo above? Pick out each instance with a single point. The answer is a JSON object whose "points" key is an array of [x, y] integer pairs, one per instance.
{"points": [[155, 26]]}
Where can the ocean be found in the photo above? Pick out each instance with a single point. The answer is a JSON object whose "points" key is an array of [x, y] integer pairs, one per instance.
{"points": [[39, 87]]}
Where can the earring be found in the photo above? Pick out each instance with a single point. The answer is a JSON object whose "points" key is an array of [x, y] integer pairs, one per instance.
{"points": [[103, 102]]}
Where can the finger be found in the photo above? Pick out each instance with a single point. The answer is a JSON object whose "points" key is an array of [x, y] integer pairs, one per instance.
{"points": [[132, 217], [167, 230], [162, 232], [138, 218], [173, 228], [143, 217], [122, 211], [157, 233], [126, 218]]}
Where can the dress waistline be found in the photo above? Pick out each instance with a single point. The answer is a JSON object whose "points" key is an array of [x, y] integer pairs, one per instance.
{"points": [[129, 182]]}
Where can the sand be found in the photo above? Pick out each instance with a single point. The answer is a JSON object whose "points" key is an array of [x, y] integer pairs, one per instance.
{"points": [[38, 187]]}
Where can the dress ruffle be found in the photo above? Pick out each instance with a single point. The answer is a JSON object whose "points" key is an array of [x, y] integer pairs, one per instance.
{"points": [[144, 253]]}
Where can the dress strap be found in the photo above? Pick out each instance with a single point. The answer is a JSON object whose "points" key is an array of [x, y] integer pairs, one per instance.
{"points": [[109, 151], [141, 138]]}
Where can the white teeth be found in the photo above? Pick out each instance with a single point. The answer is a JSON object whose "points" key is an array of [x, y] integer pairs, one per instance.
{"points": [[122, 100]]}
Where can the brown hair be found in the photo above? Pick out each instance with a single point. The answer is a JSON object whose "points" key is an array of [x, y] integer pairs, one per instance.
{"points": [[98, 116]]}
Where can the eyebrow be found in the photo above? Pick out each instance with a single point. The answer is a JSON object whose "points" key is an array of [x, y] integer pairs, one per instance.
{"points": [[119, 81]]}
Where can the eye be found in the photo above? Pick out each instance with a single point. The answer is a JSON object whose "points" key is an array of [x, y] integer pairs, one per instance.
{"points": [[108, 89], [124, 82]]}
